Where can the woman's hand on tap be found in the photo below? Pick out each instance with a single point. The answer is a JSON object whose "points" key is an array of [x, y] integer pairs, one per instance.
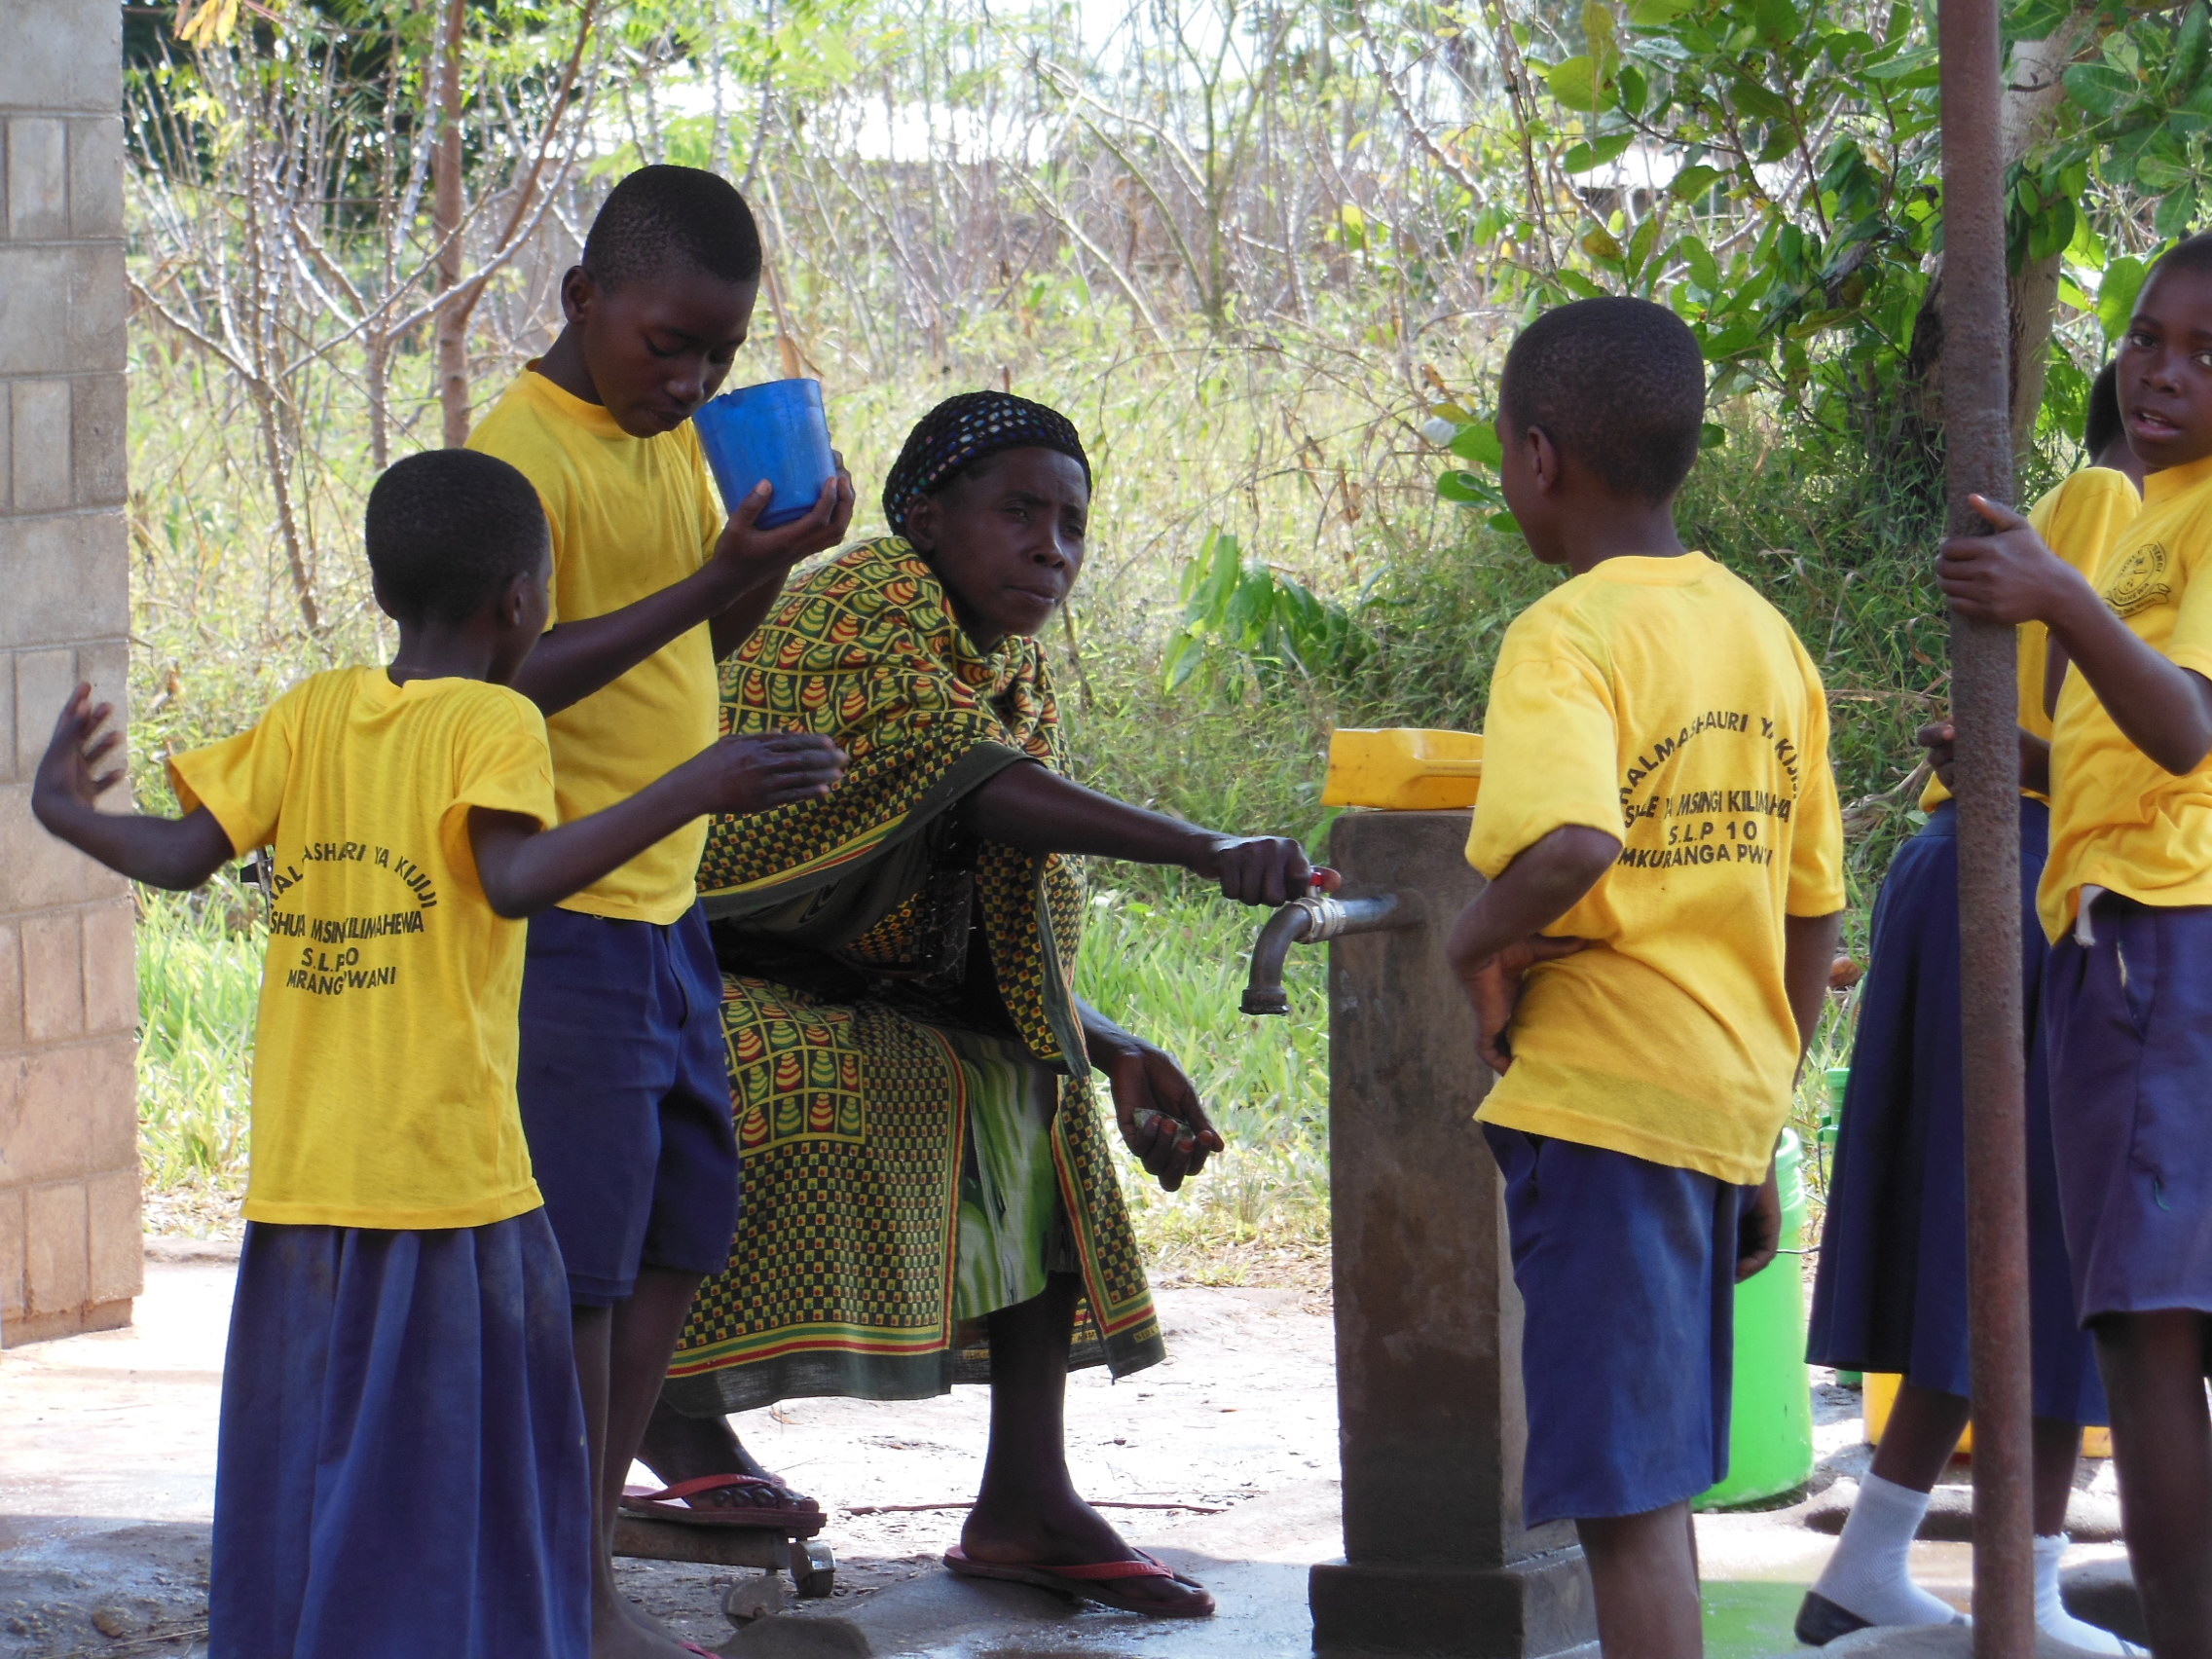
{"points": [[1262, 869]]}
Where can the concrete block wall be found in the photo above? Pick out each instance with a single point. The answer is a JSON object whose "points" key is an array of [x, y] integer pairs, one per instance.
{"points": [[70, 1252]]}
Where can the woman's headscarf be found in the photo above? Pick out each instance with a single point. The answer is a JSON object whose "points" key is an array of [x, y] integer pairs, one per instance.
{"points": [[964, 429]]}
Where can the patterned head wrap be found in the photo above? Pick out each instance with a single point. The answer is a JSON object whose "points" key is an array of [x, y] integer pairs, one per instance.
{"points": [[962, 430]]}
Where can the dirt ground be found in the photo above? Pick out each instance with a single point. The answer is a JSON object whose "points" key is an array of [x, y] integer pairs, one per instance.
{"points": [[1227, 1451]]}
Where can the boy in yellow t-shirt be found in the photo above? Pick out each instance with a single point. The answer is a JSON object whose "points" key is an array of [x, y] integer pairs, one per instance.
{"points": [[1659, 827], [625, 1086], [401, 1468], [2126, 902]]}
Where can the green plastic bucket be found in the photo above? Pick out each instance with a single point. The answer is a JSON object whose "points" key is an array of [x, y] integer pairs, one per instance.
{"points": [[1770, 1436]]}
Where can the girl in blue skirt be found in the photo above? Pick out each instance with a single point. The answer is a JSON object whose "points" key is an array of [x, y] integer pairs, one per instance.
{"points": [[401, 1470], [1891, 1291]]}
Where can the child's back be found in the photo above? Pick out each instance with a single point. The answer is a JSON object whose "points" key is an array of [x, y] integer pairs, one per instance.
{"points": [[1665, 702]]}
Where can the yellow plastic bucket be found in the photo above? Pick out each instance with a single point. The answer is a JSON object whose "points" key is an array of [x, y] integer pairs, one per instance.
{"points": [[1403, 769], [1882, 1397]]}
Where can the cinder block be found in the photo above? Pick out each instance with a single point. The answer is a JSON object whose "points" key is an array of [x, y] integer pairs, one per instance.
{"points": [[57, 1263], [109, 1074], [38, 872], [99, 306], [45, 1130], [66, 577], [11, 1254], [11, 987], [106, 664], [98, 453], [111, 970], [115, 1241], [95, 178], [34, 308], [61, 54], [44, 680], [37, 179], [53, 976], [8, 712], [41, 430]]}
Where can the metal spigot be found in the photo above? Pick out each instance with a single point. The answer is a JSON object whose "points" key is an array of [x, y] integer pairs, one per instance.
{"points": [[1311, 921]]}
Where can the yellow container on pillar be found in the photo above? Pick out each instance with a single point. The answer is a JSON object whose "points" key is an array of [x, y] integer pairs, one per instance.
{"points": [[1881, 1398], [1403, 769]]}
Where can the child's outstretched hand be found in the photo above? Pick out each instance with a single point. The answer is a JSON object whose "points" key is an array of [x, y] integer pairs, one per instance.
{"points": [[751, 774], [75, 771], [753, 554], [2007, 575], [1494, 988]]}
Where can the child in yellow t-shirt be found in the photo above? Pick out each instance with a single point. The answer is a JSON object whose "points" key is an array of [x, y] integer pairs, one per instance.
{"points": [[1659, 827], [2126, 902], [625, 1086], [1890, 1293], [401, 1468]]}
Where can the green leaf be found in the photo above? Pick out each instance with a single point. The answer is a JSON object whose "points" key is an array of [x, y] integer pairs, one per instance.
{"points": [[1712, 436], [2099, 88], [1656, 14], [1778, 21], [1694, 181], [1633, 90], [2176, 212], [1755, 100], [1465, 489], [1600, 244], [1479, 444], [1588, 156], [1641, 245], [1504, 523], [1574, 83], [2116, 294], [1705, 271], [2192, 48]]}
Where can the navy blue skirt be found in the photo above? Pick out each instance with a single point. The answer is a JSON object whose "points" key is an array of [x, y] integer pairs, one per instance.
{"points": [[401, 1465], [1889, 1293]]}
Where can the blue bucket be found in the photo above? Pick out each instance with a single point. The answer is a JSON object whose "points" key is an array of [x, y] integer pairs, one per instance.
{"points": [[778, 431]]}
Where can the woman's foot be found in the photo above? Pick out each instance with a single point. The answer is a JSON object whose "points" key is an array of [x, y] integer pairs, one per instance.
{"points": [[1066, 1531], [678, 1448]]}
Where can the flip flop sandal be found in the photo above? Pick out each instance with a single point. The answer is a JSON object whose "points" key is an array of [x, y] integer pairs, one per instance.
{"points": [[1821, 1621], [801, 1520], [1094, 1581]]}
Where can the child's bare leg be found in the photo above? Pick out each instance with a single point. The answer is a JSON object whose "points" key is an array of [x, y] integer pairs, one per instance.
{"points": [[1644, 1571], [1868, 1579], [2153, 1367], [1027, 1510], [613, 1347]]}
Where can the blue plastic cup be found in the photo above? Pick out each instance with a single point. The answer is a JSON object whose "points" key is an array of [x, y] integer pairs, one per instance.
{"points": [[776, 430]]}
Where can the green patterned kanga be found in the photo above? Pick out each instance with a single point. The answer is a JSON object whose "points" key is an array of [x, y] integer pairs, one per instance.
{"points": [[850, 977]]}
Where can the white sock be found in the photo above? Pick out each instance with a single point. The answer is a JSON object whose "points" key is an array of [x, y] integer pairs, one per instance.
{"points": [[2051, 1616], [1868, 1574]]}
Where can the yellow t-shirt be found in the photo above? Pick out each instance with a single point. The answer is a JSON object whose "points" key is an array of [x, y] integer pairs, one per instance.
{"points": [[1663, 702], [384, 1071], [630, 516], [2119, 819], [2077, 520]]}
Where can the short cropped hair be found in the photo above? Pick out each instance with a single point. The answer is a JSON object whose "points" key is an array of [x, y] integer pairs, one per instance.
{"points": [[2101, 423], [1618, 383], [447, 530], [663, 217], [2190, 253]]}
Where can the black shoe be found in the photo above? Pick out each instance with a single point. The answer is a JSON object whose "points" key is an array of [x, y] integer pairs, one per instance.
{"points": [[1819, 1621]]}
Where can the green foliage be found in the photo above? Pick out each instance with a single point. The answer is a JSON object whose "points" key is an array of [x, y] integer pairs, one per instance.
{"points": [[1246, 620], [199, 984]]}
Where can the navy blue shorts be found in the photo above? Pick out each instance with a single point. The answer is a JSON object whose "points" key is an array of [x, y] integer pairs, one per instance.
{"points": [[1891, 1289], [401, 1468], [1628, 1274], [2130, 1024], [625, 1097]]}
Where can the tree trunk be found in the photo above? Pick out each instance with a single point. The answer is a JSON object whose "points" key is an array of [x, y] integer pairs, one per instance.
{"points": [[447, 210]]}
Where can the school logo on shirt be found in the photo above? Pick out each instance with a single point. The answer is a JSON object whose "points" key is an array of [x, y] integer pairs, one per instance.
{"points": [[2140, 581]]}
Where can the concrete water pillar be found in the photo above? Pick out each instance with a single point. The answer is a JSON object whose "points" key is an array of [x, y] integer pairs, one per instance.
{"points": [[70, 1256], [1430, 1416]]}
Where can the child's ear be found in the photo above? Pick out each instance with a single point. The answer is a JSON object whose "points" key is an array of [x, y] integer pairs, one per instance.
{"points": [[921, 524], [1543, 458], [578, 293]]}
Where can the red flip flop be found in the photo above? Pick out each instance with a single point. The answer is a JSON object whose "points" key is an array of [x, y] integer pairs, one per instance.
{"points": [[801, 1520], [1092, 1581]]}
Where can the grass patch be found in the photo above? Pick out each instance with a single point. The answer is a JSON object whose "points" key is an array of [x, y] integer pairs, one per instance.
{"points": [[199, 982]]}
